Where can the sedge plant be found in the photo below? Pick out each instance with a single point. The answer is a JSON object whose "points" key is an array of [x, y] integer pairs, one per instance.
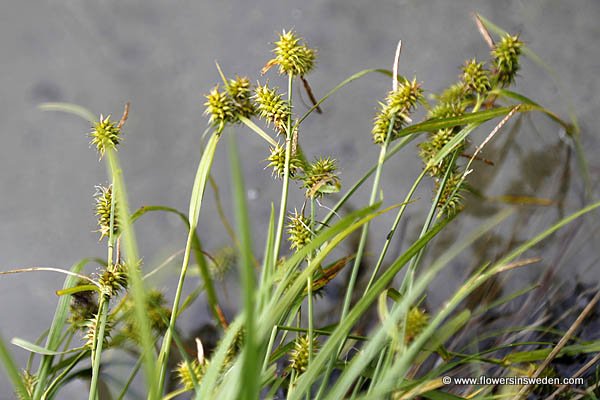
{"points": [[277, 346]]}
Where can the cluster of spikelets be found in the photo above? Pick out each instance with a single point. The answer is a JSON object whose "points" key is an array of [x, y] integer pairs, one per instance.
{"points": [[472, 91], [292, 55], [416, 321], [300, 354], [318, 178], [103, 209], [228, 105], [394, 113], [105, 135]]}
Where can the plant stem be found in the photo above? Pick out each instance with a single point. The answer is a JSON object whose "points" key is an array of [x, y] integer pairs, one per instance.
{"points": [[286, 177], [98, 344], [393, 229]]}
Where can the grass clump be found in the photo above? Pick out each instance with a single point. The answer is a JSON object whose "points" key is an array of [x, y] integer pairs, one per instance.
{"points": [[277, 345]]}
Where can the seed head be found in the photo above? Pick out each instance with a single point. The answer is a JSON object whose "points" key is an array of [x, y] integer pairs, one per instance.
{"points": [[158, 315], [220, 108], [298, 231], [447, 110], [113, 279], [272, 108], [299, 355], [416, 321], [321, 178], [476, 77], [92, 328], [104, 199], [277, 161], [506, 59], [451, 199], [240, 94], [29, 381], [398, 106], [292, 55], [105, 135], [454, 94], [185, 370]]}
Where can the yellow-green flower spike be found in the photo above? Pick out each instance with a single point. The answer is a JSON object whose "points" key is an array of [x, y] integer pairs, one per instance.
{"points": [[105, 135], [184, 373], [506, 59], [272, 108], [157, 311], [451, 199], [416, 321], [112, 280], [104, 199], [91, 332], [277, 161], [219, 107], [298, 231], [292, 55], [475, 77], [240, 93], [320, 178], [29, 381], [299, 355], [398, 105]]}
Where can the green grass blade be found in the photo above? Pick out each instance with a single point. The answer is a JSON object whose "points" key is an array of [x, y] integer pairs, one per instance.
{"points": [[56, 329], [31, 347], [479, 117], [250, 374], [12, 371], [137, 290], [198, 189], [70, 109], [344, 327]]}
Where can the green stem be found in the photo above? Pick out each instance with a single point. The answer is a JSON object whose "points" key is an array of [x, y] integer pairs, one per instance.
{"points": [[286, 177], [97, 347], [393, 229]]}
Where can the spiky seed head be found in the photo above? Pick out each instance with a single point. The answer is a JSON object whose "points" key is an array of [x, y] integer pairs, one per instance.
{"points": [[104, 199], [272, 108], [219, 107], [292, 55], [298, 231], [185, 370], [113, 280], [451, 200], [157, 311], [92, 329], [320, 177], [222, 262], [416, 321], [299, 355], [447, 110], [455, 93], [29, 381], [105, 135], [277, 161], [239, 90], [506, 55], [398, 106], [476, 77]]}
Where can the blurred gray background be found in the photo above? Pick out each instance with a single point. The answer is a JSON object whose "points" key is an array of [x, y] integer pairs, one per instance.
{"points": [[160, 56]]}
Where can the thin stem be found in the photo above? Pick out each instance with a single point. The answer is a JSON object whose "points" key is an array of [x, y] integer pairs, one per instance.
{"points": [[393, 229], [286, 177], [97, 347]]}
